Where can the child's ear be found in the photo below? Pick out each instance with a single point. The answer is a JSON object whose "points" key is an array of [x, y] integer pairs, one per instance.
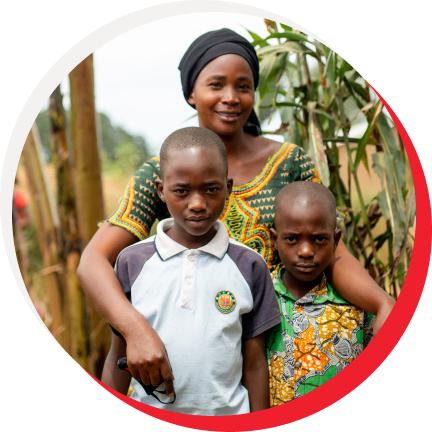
{"points": [[191, 98], [159, 188], [230, 182], [274, 237], [337, 236]]}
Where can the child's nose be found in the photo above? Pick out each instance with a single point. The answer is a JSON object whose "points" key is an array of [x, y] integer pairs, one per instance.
{"points": [[197, 202], [305, 250]]}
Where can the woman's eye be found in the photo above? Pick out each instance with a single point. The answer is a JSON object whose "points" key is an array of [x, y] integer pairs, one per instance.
{"points": [[245, 87], [215, 84]]}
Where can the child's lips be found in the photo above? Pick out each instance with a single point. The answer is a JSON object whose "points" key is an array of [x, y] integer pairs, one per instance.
{"points": [[197, 222], [305, 268]]}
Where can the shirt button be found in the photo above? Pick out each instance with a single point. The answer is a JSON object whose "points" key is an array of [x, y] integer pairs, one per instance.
{"points": [[191, 258], [188, 281], [297, 365]]}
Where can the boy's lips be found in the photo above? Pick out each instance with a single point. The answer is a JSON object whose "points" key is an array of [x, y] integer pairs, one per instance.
{"points": [[196, 222], [305, 268]]}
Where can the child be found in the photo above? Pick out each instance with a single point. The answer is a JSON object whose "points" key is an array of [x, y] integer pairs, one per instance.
{"points": [[320, 332], [209, 298]]}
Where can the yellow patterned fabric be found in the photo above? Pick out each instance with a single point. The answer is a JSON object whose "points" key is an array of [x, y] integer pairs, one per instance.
{"points": [[249, 213], [320, 334]]}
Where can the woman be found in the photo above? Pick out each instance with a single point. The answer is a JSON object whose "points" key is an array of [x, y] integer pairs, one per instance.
{"points": [[219, 75]]}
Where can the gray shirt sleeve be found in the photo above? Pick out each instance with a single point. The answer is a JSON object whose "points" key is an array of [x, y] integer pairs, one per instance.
{"points": [[265, 312], [129, 265]]}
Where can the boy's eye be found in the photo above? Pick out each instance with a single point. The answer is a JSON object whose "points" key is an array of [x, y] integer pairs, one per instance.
{"points": [[320, 240], [213, 189], [180, 191], [291, 239]]}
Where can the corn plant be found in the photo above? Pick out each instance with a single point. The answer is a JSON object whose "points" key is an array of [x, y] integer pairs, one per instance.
{"points": [[319, 97]]}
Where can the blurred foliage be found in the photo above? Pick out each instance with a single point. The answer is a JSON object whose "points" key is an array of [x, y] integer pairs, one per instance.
{"points": [[319, 97], [121, 151]]}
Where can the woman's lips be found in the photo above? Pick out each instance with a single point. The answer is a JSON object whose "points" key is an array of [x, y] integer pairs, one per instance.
{"points": [[228, 116]]}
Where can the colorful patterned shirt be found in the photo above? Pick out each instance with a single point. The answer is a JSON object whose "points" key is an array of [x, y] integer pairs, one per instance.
{"points": [[248, 214], [320, 334]]}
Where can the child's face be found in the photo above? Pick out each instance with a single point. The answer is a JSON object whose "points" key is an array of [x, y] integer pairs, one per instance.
{"points": [[195, 188], [223, 94], [305, 238]]}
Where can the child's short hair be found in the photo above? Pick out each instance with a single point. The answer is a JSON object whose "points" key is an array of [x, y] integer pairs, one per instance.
{"points": [[192, 137], [308, 193]]}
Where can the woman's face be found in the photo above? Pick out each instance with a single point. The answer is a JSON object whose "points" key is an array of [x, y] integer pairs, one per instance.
{"points": [[223, 94]]}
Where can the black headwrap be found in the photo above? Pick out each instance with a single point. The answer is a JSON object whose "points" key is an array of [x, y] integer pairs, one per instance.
{"points": [[210, 46]]}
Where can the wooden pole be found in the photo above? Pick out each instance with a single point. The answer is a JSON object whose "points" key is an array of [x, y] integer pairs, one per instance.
{"points": [[88, 187], [69, 237], [46, 219]]}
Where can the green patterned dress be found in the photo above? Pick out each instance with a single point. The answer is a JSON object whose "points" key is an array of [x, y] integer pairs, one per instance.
{"points": [[248, 214]]}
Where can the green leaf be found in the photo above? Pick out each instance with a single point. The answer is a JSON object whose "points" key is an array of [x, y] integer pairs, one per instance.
{"points": [[361, 147], [257, 40], [411, 209], [344, 68], [316, 149], [285, 27], [288, 35], [391, 147], [270, 67], [362, 92], [285, 48]]}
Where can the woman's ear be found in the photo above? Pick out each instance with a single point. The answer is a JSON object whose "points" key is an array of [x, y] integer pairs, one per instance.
{"points": [[159, 189], [191, 98], [273, 237], [230, 182], [337, 236]]}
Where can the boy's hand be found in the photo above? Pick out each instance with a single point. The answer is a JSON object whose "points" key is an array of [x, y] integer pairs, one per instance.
{"points": [[148, 359]]}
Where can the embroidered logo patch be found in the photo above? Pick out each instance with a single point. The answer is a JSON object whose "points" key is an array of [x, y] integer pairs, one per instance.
{"points": [[225, 301]]}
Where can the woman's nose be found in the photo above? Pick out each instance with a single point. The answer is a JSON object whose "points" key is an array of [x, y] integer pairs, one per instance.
{"points": [[230, 96]]}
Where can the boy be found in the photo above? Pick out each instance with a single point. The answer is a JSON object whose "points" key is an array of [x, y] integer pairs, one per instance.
{"points": [[320, 332], [210, 299]]}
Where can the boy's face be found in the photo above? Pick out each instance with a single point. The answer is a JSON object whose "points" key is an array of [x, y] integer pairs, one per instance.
{"points": [[305, 238], [195, 188]]}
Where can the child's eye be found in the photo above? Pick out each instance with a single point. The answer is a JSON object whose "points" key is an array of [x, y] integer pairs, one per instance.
{"points": [[213, 189], [320, 240], [180, 191], [291, 240]]}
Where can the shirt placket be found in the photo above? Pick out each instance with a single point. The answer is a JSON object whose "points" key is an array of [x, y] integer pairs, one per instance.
{"points": [[190, 260]]}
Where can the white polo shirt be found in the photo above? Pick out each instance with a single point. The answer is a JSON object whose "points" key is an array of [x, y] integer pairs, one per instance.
{"points": [[202, 303]]}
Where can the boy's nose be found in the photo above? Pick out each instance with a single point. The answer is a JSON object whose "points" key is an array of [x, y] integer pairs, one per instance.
{"points": [[197, 202], [305, 250]]}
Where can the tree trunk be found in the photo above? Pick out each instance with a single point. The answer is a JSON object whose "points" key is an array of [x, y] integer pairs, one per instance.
{"points": [[47, 222], [88, 186], [69, 237]]}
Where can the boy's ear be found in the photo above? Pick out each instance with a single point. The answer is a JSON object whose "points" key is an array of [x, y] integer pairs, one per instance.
{"points": [[159, 188], [337, 236], [230, 182], [274, 237], [191, 98]]}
